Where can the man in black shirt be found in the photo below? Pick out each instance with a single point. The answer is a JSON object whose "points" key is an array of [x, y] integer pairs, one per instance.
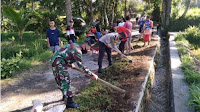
{"points": [[71, 37], [98, 35]]}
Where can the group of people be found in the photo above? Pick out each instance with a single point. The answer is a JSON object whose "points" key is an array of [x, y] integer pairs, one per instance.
{"points": [[63, 58]]}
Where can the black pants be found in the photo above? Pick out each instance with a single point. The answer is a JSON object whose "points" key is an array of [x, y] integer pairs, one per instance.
{"points": [[102, 49], [121, 46]]}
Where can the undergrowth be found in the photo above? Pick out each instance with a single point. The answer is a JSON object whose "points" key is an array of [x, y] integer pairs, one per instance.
{"points": [[191, 75]]}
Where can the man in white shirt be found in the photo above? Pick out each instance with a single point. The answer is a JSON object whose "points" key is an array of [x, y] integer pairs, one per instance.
{"points": [[106, 43]]}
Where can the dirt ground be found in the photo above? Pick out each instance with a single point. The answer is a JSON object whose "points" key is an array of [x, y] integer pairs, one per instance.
{"points": [[40, 84], [131, 77]]}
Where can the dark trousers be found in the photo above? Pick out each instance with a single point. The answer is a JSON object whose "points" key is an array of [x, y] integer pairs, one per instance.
{"points": [[121, 46], [102, 49]]}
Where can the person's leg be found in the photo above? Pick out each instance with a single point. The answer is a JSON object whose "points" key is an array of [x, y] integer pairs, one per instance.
{"points": [[57, 48], [101, 55], [52, 48], [121, 46], [63, 81], [108, 51], [126, 46]]}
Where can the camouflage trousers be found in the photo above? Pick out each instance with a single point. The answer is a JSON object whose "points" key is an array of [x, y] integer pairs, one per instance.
{"points": [[60, 72]]}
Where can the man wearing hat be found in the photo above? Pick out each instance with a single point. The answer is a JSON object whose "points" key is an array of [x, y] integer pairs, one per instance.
{"points": [[61, 61], [106, 43], [71, 37]]}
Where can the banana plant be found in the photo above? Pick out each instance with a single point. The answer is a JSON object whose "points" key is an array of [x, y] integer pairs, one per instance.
{"points": [[21, 19]]}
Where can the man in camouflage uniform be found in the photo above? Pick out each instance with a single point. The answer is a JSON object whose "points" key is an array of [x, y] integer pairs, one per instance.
{"points": [[63, 59]]}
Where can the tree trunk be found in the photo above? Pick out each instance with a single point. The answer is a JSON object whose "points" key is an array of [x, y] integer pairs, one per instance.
{"points": [[166, 11], [105, 14], [79, 9], [113, 13], [68, 10], [21, 35], [32, 2], [91, 13], [125, 9], [187, 7]]}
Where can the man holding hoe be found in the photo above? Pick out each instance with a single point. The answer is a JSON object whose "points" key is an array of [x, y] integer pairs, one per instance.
{"points": [[106, 43], [61, 61]]}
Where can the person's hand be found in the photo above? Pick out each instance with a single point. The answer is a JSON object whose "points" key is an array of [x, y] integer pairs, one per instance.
{"points": [[94, 76], [70, 41], [72, 65], [122, 55]]}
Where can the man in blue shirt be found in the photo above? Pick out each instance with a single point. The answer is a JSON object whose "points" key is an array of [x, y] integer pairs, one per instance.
{"points": [[141, 23], [53, 37]]}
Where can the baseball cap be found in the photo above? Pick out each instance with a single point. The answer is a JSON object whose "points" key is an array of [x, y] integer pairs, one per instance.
{"points": [[71, 21]]}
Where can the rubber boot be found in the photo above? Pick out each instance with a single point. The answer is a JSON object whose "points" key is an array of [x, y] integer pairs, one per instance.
{"points": [[100, 70], [110, 64], [71, 103], [64, 98]]}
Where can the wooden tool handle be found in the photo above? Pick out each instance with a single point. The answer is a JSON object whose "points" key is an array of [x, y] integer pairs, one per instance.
{"points": [[99, 79]]}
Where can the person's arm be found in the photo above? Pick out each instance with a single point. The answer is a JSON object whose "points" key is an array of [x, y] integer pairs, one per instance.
{"points": [[67, 33], [47, 35], [78, 59], [59, 38], [48, 42], [114, 47]]}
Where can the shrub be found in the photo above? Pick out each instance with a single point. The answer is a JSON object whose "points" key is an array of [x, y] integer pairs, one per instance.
{"points": [[195, 97], [10, 66], [192, 34], [45, 56]]}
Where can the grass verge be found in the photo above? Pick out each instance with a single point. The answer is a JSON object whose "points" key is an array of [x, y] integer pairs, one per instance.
{"points": [[191, 74]]}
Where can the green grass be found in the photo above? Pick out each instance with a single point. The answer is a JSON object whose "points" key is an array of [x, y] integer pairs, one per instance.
{"points": [[97, 97], [16, 56], [94, 98], [191, 76]]}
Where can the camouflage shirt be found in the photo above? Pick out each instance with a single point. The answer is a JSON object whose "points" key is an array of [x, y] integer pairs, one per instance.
{"points": [[70, 55]]}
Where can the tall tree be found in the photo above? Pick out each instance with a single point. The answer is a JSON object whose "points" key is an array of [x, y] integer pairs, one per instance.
{"points": [[68, 10], [20, 19], [166, 11], [186, 9], [113, 12]]}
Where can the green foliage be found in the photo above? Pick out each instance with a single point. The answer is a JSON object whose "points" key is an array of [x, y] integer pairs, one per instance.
{"points": [[192, 18], [82, 38], [191, 76], [192, 34], [195, 97], [43, 57], [10, 66], [180, 37], [20, 19], [16, 57]]}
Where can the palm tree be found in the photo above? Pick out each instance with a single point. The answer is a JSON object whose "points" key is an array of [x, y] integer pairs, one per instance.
{"points": [[20, 19]]}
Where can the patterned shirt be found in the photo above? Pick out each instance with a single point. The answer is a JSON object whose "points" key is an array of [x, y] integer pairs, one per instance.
{"points": [[70, 54]]}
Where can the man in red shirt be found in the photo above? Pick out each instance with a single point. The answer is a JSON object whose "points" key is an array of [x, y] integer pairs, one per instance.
{"points": [[128, 25], [120, 29]]}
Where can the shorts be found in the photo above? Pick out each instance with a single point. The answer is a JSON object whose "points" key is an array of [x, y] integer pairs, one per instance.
{"points": [[54, 48], [147, 38]]}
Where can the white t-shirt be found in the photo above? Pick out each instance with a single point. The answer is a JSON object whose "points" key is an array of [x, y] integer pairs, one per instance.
{"points": [[121, 24], [110, 38]]}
